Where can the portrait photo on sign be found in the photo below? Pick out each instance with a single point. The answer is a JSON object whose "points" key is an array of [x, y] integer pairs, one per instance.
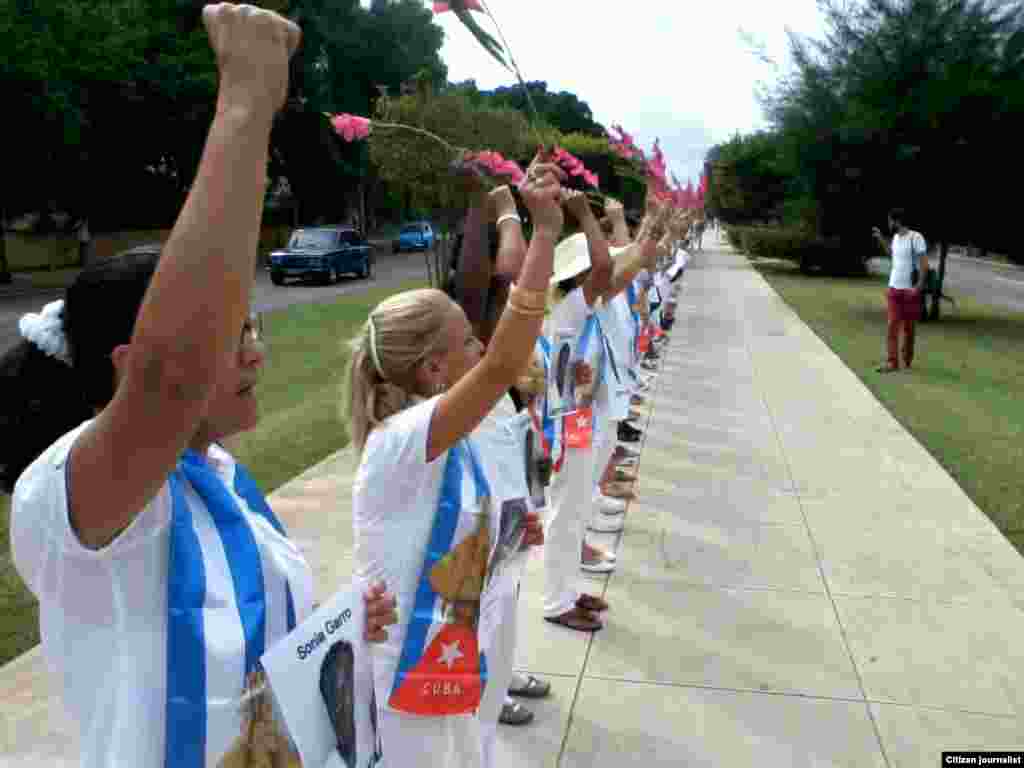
{"points": [[561, 389], [538, 468], [322, 679], [510, 534], [337, 687]]}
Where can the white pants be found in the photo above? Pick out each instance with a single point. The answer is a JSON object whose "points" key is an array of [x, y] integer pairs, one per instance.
{"points": [[500, 659], [605, 440], [412, 741], [570, 498]]}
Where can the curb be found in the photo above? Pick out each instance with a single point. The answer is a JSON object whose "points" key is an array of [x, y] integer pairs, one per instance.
{"points": [[992, 262]]}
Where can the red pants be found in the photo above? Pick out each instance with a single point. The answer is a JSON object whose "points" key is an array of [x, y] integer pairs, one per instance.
{"points": [[904, 311]]}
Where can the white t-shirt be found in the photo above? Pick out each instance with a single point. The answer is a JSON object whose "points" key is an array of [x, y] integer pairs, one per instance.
{"points": [[395, 497], [906, 251], [568, 315], [103, 613], [614, 400], [623, 330]]}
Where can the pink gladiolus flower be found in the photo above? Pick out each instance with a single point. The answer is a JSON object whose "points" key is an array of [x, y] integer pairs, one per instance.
{"points": [[470, 5], [351, 127], [591, 178], [493, 164]]}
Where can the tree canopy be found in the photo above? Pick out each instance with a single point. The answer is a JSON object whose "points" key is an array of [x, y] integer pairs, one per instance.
{"points": [[907, 103]]}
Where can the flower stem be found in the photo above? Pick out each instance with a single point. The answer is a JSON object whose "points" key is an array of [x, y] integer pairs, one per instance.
{"points": [[414, 129], [518, 74]]}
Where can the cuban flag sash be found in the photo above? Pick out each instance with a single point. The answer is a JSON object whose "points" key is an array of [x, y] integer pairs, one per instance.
{"points": [[229, 595], [441, 670], [632, 299], [593, 334], [550, 430]]}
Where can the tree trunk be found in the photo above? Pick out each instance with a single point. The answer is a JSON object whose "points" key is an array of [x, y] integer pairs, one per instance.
{"points": [[937, 297]]}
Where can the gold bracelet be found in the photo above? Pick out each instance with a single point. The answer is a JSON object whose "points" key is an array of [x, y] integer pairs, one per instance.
{"points": [[524, 311], [527, 298]]}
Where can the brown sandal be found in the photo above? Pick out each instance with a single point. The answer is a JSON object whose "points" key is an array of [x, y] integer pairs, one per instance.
{"points": [[578, 619], [592, 603]]}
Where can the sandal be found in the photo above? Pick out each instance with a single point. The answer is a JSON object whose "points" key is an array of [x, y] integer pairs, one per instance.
{"points": [[619, 491], [535, 688], [578, 619], [514, 713], [592, 603]]}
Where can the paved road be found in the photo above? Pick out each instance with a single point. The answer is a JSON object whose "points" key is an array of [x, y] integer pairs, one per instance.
{"points": [[390, 269], [1001, 285]]}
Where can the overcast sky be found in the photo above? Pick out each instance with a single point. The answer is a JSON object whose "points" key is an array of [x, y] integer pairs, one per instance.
{"points": [[663, 68]]}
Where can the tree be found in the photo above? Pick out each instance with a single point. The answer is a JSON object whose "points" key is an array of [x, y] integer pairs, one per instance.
{"points": [[903, 102], [418, 167], [890, 100], [348, 57], [562, 110], [749, 176]]}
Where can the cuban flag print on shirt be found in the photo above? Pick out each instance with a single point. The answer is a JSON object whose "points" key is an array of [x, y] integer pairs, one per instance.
{"points": [[441, 670]]}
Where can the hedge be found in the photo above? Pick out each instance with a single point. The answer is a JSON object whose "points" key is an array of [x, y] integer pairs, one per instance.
{"points": [[830, 255]]}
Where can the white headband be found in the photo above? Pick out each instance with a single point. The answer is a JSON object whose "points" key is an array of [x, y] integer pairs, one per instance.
{"points": [[373, 347], [46, 331]]}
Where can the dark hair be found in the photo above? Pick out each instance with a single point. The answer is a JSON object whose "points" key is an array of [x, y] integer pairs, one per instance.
{"points": [[42, 398], [898, 215], [570, 284], [453, 264]]}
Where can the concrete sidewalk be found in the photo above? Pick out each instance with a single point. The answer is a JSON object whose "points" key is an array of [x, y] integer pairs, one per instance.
{"points": [[800, 584]]}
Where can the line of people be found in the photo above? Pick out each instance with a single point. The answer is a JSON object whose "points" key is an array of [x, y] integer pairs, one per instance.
{"points": [[161, 571]]}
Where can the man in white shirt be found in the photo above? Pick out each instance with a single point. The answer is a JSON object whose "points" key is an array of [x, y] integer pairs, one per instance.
{"points": [[908, 252]]}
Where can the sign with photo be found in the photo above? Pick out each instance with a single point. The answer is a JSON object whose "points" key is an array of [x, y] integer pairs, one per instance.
{"points": [[561, 385], [322, 680]]}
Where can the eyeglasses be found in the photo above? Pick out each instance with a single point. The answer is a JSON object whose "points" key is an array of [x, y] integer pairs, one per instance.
{"points": [[252, 329]]}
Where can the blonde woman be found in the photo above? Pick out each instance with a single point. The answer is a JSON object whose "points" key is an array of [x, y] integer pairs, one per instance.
{"points": [[419, 383]]}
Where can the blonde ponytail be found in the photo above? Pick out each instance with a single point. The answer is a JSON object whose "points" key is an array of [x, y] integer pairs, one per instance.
{"points": [[398, 335]]}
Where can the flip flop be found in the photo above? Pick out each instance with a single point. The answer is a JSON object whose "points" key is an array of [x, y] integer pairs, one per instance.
{"points": [[592, 603], [514, 713], [578, 619], [535, 688]]}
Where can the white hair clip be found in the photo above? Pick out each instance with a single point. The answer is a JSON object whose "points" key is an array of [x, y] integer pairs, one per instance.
{"points": [[45, 330], [373, 347]]}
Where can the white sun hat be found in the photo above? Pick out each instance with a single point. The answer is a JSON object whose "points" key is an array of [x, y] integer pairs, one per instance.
{"points": [[572, 256]]}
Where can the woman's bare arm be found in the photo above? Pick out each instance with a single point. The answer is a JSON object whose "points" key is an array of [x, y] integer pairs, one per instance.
{"points": [[468, 402], [187, 330]]}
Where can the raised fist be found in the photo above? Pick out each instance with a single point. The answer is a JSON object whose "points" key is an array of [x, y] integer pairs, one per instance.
{"points": [[252, 46]]}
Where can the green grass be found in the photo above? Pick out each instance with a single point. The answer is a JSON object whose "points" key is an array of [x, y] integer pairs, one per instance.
{"points": [[299, 397], [962, 400]]}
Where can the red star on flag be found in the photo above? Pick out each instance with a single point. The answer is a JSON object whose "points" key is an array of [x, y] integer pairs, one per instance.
{"points": [[446, 679]]}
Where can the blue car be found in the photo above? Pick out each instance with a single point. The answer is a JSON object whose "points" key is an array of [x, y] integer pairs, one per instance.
{"points": [[324, 253], [414, 236]]}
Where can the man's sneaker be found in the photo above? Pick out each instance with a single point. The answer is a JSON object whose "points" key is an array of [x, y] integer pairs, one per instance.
{"points": [[602, 524], [609, 506]]}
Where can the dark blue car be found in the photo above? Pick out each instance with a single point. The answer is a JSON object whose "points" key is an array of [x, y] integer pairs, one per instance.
{"points": [[414, 236], [324, 253]]}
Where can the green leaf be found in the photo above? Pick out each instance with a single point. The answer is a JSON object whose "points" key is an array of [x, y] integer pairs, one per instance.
{"points": [[486, 40]]}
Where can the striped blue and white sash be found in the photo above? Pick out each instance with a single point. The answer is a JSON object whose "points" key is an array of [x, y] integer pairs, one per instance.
{"points": [[229, 596]]}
